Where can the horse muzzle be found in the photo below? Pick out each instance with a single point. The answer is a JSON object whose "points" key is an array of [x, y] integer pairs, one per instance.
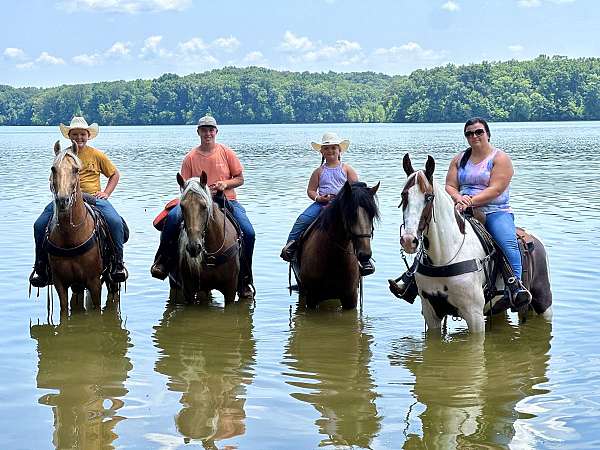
{"points": [[194, 249], [409, 243], [63, 203]]}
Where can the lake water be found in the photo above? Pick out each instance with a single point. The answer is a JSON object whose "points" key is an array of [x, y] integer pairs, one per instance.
{"points": [[270, 375]]}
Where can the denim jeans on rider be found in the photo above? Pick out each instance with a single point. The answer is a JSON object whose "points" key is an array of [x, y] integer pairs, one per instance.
{"points": [[501, 226], [304, 220], [110, 214], [175, 218]]}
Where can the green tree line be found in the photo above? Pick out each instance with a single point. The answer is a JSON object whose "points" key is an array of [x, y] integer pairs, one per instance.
{"points": [[545, 88]]}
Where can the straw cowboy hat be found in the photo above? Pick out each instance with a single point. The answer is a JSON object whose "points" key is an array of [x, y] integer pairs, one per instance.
{"points": [[79, 123], [331, 139]]}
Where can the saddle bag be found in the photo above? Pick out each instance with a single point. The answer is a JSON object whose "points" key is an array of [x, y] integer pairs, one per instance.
{"points": [[159, 220]]}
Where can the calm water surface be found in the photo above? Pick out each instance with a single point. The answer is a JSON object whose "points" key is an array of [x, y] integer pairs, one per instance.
{"points": [[271, 375]]}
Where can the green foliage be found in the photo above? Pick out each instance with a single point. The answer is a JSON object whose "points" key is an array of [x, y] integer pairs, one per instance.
{"points": [[546, 88]]}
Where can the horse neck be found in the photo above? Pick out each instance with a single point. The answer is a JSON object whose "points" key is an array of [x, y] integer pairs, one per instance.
{"points": [[444, 236], [215, 231]]}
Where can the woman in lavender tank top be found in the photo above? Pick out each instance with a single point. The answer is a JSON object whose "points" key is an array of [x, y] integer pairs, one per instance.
{"points": [[323, 185], [480, 177]]}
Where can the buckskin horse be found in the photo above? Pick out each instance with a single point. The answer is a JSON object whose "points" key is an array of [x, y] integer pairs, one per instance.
{"points": [[452, 263], [208, 246], [74, 258], [327, 266]]}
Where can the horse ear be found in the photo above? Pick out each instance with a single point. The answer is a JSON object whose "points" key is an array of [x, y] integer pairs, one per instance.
{"points": [[407, 164], [203, 178], [375, 188], [57, 147], [180, 181], [429, 168], [74, 147], [347, 188]]}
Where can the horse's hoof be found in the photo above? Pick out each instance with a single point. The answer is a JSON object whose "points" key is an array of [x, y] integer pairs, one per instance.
{"points": [[246, 292]]}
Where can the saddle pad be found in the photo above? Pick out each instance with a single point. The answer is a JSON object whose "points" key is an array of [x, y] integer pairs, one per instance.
{"points": [[159, 220]]}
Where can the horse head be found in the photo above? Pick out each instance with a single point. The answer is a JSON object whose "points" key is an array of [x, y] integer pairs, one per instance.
{"points": [[197, 209], [417, 203], [356, 206], [64, 177]]}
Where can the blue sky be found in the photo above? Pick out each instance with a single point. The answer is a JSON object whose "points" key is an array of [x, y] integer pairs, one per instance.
{"points": [[54, 42]]}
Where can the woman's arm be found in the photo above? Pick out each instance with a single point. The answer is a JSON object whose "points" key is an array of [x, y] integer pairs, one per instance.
{"points": [[452, 186], [313, 188]]}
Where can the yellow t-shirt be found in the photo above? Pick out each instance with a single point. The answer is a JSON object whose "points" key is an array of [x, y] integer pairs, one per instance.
{"points": [[93, 163]]}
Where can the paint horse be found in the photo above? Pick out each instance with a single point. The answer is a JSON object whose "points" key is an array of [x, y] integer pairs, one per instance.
{"points": [[451, 269], [74, 258], [208, 247], [328, 258]]}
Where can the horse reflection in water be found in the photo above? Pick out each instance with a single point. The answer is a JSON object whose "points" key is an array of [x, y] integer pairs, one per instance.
{"points": [[208, 354], [470, 389], [329, 355], [85, 360]]}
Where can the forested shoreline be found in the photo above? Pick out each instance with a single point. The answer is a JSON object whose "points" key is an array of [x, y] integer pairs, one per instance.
{"points": [[542, 89]]}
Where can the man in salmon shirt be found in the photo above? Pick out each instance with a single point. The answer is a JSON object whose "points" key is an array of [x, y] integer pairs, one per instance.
{"points": [[225, 173]]}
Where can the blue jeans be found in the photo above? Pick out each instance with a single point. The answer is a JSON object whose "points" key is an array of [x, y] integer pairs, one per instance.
{"points": [[304, 220], [501, 226], [174, 219], [110, 214]]}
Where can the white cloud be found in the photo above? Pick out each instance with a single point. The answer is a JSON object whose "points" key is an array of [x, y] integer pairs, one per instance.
{"points": [[14, 53], [152, 49], [194, 45], [229, 44], [25, 66], [451, 6], [93, 59], [536, 3], [410, 50], [124, 6], [46, 58], [291, 42], [254, 58], [118, 49], [341, 48], [516, 48]]}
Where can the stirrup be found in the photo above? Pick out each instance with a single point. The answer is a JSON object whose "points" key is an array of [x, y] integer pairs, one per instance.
{"points": [[288, 252], [366, 268], [38, 279], [407, 292], [119, 274], [159, 271]]}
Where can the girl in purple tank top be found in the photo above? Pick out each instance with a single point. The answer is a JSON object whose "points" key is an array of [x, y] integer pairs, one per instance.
{"points": [[323, 185]]}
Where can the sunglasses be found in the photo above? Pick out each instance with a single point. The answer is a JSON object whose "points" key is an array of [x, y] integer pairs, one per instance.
{"points": [[477, 132]]}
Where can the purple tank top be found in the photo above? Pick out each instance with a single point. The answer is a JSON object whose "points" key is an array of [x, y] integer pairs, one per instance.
{"points": [[331, 180], [474, 178]]}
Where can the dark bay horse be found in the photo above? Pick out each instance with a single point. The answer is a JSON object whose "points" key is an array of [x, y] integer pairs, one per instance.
{"points": [[74, 252], [209, 247], [453, 260], [328, 263]]}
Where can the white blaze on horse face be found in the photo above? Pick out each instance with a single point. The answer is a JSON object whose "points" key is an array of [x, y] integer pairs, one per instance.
{"points": [[196, 207], [412, 216], [64, 178]]}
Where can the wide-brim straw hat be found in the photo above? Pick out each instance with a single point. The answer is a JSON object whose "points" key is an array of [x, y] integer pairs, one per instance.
{"points": [[331, 139], [79, 123]]}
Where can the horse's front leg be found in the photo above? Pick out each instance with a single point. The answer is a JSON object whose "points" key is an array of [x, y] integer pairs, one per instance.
{"points": [[63, 295], [434, 323], [95, 289], [473, 313]]}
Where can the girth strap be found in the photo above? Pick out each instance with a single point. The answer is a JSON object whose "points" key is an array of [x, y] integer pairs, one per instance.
{"points": [[73, 251], [450, 270], [215, 260]]}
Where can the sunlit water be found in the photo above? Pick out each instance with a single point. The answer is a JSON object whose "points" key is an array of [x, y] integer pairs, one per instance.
{"points": [[270, 375]]}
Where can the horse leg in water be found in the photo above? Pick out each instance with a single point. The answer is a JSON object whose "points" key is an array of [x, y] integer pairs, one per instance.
{"points": [[63, 295], [95, 289], [349, 301], [77, 297], [113, 298], [434, 323], [473, 313], [229, 293]]}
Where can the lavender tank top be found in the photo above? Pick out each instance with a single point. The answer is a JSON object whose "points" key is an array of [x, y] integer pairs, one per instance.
{"points": [[474, 178], [331, 180]]}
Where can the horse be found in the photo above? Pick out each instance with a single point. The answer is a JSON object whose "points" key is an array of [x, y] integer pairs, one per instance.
{"points": [[209, 245], [75, 258], [328, 261], [444, 238]]}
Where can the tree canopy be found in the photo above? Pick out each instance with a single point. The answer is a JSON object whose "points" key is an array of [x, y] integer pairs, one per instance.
{"points": [[545, 88]]}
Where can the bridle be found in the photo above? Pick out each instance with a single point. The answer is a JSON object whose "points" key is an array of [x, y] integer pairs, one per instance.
{"points": [[70, 202]]}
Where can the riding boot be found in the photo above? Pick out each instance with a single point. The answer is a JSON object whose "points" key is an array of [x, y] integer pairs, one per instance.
{"points": [[366, 267], [39, 277], [404, 287], [288, 253], [162, 263], [519, 296], [119, 272]]}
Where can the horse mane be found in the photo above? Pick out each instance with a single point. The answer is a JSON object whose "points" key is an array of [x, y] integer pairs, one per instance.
{"points": [[346, 206], [193, 184], [68, 151]]}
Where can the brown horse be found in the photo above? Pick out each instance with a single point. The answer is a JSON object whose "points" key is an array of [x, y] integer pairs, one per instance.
{"points": [[328, 261], [75, 260], [209, 247]]}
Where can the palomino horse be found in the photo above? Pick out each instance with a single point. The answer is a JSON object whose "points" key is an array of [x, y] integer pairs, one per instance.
{"points": [[209, 247], [328, 262], [446, 239], [74, 252]]}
